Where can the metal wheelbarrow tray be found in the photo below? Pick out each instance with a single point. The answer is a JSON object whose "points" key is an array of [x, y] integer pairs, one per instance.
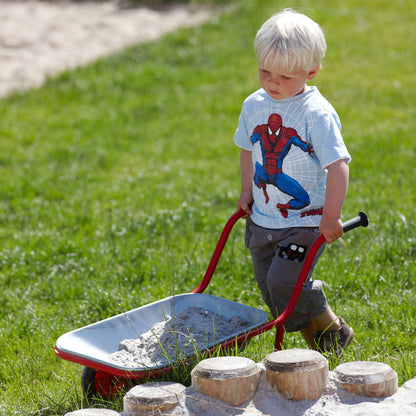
{"points": [[92, 345]]}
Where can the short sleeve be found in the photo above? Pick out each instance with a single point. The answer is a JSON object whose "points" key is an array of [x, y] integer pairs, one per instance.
{"points": [[327, 140], [242, 135]]}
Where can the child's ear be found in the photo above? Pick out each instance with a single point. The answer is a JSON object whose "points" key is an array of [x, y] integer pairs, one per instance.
{"points": [[312, 73]]}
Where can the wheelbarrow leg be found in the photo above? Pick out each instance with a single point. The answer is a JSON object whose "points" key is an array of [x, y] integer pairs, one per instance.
{"points": [[88, 382], [278, 341], [98, 383]]}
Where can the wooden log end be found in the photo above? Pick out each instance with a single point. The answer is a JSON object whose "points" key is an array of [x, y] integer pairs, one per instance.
{"points": [[233, 380], [160, 396], [297, 374], [367, 378]]}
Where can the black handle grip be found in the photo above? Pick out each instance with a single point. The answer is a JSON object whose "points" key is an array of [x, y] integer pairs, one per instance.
{"points": [[361, 220]]}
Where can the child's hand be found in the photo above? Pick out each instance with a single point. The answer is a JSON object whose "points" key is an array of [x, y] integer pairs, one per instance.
{"points": [[331, 229], [245, 201]]}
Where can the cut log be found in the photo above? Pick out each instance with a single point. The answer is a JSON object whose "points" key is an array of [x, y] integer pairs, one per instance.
{"points": [[367, 378], [234, 380], [93, 412], [298, 374], [161, 396]]}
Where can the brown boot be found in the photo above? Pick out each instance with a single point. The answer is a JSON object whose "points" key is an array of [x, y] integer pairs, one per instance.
{"points": [[334, 341]]}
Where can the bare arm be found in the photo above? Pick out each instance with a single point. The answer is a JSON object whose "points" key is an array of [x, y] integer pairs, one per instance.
{"points": [[247, 172], [336, 190]]}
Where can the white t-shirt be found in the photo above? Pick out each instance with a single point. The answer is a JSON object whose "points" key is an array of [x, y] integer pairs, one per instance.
{"points": [[292, 141]]}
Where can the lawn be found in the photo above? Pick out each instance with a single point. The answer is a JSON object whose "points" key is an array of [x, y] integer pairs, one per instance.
{"points": [[117, 178]]}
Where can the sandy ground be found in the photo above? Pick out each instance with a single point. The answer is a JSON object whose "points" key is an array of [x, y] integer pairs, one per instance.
{"points": [[42, 37], [334, 401]]}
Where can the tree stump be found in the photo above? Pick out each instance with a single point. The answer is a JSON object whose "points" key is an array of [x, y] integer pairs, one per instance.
{"points": [[298, 374], [93, 412], [234, 380], [367, 378], [161, 396]]}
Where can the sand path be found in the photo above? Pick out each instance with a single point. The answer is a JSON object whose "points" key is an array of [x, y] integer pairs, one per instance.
{"points": [[40, 37]]}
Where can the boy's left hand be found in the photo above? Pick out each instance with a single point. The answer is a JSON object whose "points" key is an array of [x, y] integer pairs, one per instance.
{"points": [[331, 229]]}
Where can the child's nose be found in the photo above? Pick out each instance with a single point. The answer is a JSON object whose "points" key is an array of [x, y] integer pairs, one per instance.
{"points": [[274, 79]]}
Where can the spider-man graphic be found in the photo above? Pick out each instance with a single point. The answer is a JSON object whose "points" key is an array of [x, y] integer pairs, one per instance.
{"points": [[276, 141]]}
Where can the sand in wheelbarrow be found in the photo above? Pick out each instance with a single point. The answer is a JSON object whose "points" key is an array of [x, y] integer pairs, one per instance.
{"points": [[189, 331]]}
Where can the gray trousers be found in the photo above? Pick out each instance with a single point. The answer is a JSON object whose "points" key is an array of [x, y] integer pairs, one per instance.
{"points": [[278, 256]]}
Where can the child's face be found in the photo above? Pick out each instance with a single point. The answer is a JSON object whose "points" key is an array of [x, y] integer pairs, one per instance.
{"points": [[281, 84]]}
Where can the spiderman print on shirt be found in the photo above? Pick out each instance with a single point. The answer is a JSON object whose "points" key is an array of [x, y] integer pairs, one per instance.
{"points": [[276, 141]]}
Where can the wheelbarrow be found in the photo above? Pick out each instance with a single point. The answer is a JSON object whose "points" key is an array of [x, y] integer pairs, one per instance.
{"points": [[92, 345]]}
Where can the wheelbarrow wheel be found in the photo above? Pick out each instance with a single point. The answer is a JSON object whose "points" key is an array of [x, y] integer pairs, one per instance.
{"points": [[88, 382]]}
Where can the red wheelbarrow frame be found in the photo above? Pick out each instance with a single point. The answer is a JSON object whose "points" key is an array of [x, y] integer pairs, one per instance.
{"points": [[279, 322], [108, 380]]}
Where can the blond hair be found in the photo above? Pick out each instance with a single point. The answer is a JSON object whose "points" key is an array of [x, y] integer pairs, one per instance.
{"points": [[290, 41]]}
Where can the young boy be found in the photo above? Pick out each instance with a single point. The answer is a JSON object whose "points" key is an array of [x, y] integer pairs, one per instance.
{"points": [[294, 172]]}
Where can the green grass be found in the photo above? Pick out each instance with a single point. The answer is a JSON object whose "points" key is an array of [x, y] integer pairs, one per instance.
{"points": [[117, 178]]}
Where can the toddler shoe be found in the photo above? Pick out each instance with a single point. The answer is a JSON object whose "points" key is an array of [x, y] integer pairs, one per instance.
{"points": [[334, 341]]}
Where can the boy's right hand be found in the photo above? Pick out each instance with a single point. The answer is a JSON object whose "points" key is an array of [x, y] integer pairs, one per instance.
{"points": [[245, 201]]}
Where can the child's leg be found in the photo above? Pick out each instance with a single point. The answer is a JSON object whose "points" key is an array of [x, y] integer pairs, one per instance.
{"points": [[276, 273], [284, 272], [326, 321], [262, 254], [307, 334], [327, 333]]}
